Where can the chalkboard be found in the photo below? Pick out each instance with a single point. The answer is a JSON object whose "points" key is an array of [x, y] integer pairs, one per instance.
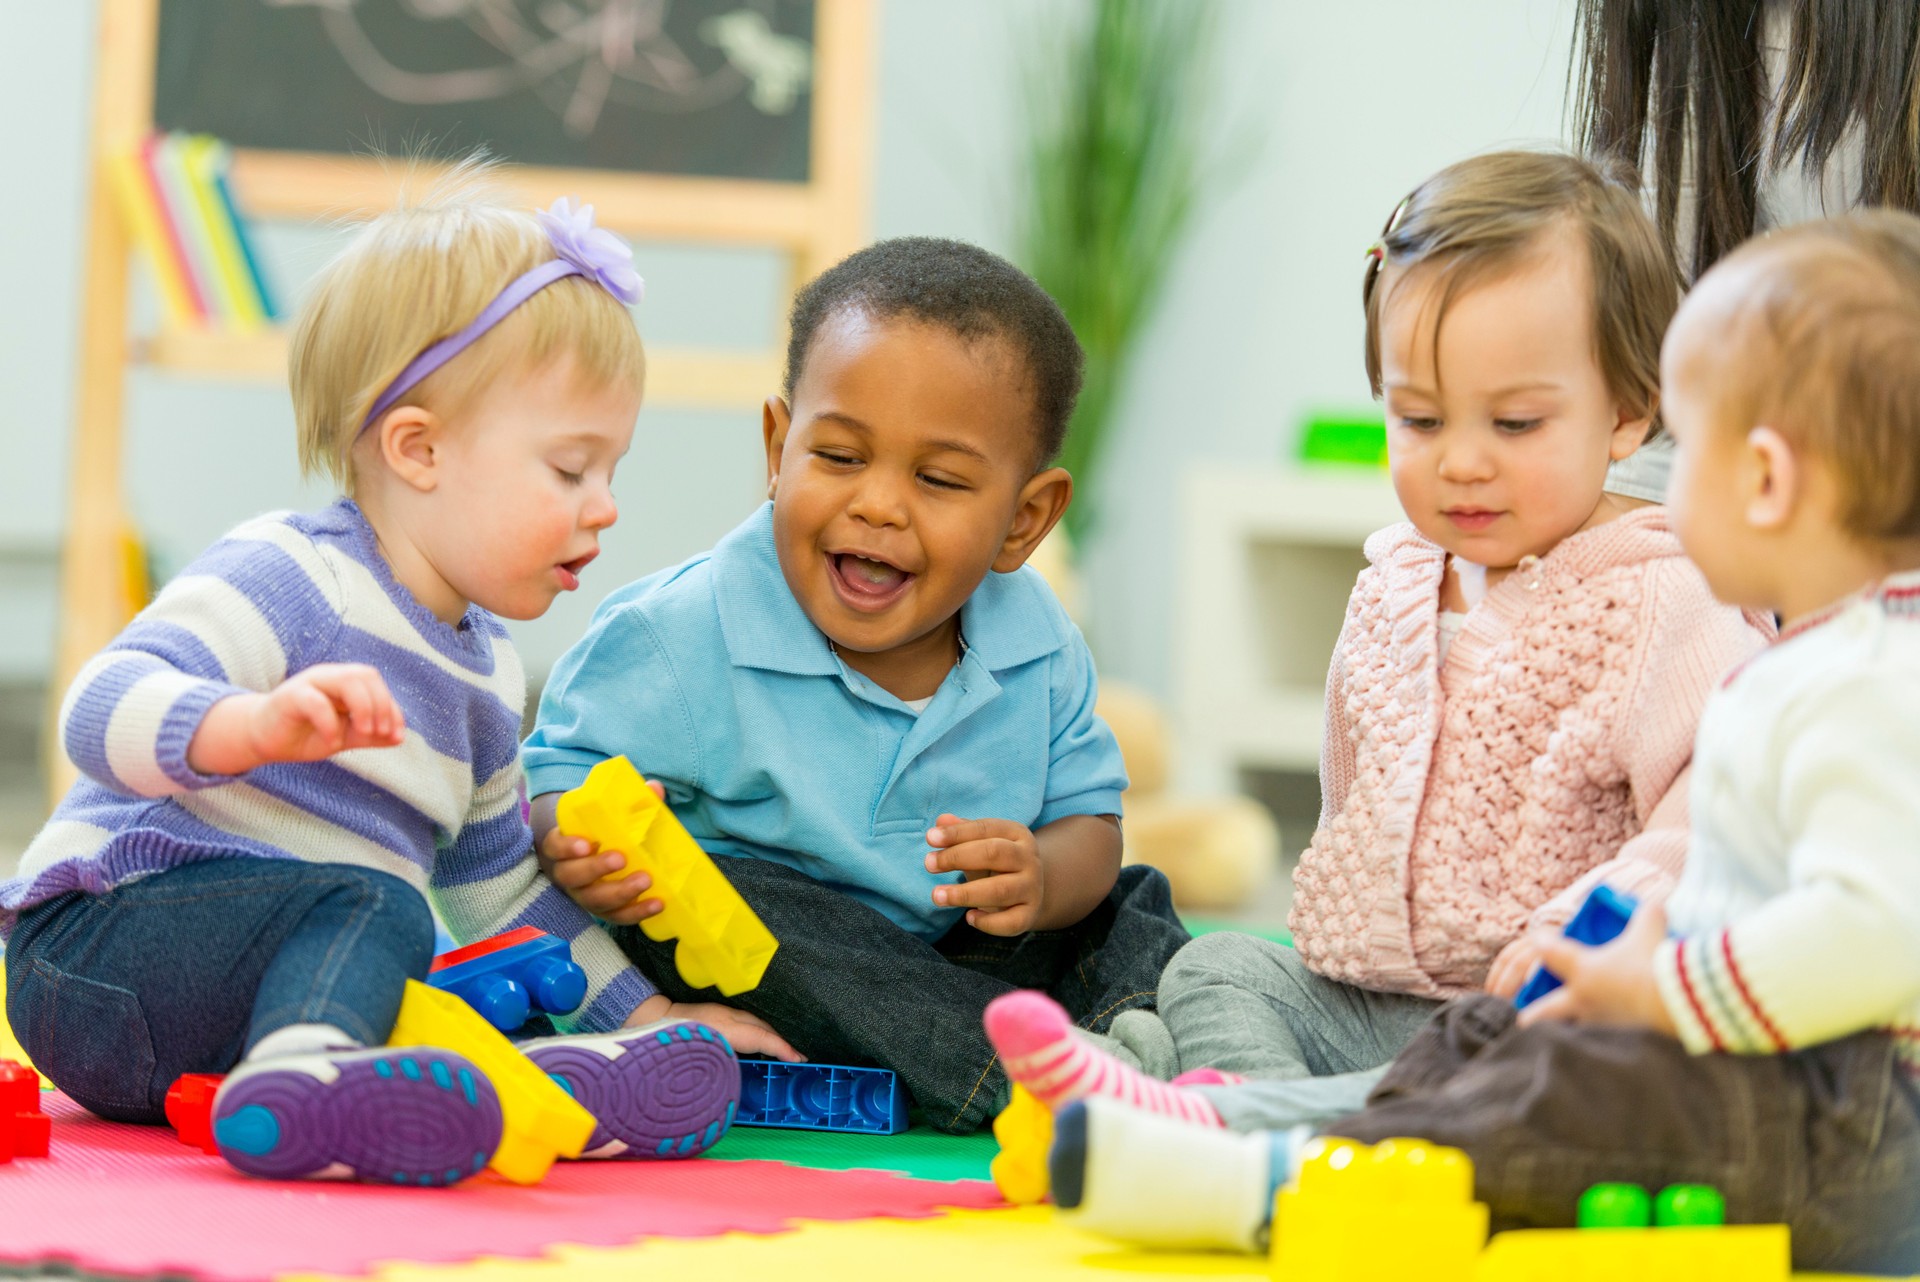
{"points": [[706, 88]]}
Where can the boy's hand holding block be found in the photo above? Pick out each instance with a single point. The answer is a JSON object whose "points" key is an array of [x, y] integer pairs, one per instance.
{"points": [[722, 943]]}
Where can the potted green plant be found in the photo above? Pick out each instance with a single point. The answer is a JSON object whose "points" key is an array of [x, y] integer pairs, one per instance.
{"points": [[1116, 93]]}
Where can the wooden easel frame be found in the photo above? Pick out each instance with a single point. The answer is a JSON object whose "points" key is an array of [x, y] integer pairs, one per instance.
{"points": [[816, 223]]}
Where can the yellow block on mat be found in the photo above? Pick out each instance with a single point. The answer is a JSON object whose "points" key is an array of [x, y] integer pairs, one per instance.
{"points": [[1025, 1131], [1731, 1253], [542, 1120], [10, 1047]]}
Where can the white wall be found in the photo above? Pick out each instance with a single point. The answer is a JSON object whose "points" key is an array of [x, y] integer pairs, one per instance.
{"points": [[1262, 321], [1355, 101]]}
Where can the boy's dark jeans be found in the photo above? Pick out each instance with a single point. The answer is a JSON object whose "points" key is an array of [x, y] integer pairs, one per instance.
{"points": [[1825, 1140], [848, 986], [116, 995]]}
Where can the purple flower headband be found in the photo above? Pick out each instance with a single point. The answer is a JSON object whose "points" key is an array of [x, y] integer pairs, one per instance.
{"points": [[581, 249]]}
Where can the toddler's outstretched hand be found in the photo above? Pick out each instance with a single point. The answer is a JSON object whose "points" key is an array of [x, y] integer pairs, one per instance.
{"points": [[315, 713], [1004, 887], [746, 1032], [576, 866], [1612, 985]]}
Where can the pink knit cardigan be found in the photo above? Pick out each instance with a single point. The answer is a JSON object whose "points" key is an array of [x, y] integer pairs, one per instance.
{"points": [[1465, 803]]}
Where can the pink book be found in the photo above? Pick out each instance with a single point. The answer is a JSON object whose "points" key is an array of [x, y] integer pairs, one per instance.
{"points": [[172, 230]]}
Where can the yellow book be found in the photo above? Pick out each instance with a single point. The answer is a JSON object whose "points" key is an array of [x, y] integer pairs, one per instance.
{"points": [[201, 156], [136, 200]]}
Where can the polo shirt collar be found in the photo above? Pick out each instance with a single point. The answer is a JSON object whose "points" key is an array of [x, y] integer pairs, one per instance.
{"points": [[1008, 621]]}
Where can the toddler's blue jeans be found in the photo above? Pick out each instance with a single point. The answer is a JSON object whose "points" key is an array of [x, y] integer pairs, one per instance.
{"points": [[848, 986], [116, 995]]}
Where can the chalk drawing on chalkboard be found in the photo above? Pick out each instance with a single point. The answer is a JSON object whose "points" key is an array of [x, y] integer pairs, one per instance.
{"points": [[576, 56]]}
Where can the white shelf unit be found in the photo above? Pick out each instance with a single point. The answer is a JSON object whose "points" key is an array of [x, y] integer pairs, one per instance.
{"points": [[1268, 557]]}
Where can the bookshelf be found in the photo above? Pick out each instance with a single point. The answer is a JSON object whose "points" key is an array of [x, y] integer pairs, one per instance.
{"points": [[1268, 557], [814, 223]]}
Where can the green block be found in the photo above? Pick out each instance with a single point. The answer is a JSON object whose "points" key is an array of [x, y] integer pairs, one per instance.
{"points": [[1689, 1206], [1345, 439], [1615, 1206]]}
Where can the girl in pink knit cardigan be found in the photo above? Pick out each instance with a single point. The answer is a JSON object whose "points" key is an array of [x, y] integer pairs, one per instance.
{"points": [[1512, 701]]}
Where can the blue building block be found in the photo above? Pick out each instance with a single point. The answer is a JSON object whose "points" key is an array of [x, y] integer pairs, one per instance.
{"points": [[1599, 920], [821, 1097], [510, 976]]}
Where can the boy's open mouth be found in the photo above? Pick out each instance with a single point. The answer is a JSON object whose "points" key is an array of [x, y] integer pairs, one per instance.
{"points": [[570, 570], [866, 583]]}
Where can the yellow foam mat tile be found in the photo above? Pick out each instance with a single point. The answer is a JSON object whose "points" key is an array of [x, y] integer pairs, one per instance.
{"points": [[1028, 1244], [1023, 1245]]}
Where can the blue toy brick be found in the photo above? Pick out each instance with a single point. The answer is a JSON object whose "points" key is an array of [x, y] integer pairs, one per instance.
{"points": [[821, 1097], [1600, 919], [507, 986]]}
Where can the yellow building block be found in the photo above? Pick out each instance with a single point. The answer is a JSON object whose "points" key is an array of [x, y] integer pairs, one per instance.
{"points": [[1743, 1253], [1394, 1210], [542, 1121], [1025, 1131], [10, 1047], [722, 944]]}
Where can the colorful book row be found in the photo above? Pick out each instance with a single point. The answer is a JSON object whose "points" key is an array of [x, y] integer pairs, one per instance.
{"points": [[174, 193]]}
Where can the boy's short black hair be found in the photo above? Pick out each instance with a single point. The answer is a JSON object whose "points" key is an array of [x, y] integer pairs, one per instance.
{"points": [[961, 288]]}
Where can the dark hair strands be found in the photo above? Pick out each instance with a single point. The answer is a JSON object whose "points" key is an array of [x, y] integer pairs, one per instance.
{"points": [[1677, 90]]}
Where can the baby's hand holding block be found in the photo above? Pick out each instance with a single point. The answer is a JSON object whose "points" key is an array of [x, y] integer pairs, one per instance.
{"points": [[1600, 920], [722, 943]]}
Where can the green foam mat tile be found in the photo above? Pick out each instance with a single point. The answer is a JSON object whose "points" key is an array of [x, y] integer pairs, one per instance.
{"points": [[920, 1152], [1207, 926]]}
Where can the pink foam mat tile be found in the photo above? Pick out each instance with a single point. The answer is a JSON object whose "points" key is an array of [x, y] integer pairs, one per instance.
{"points": [[132, 1200]]}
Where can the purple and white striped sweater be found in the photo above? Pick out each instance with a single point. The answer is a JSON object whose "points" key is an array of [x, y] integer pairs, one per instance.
{"points": [[443, 811]]}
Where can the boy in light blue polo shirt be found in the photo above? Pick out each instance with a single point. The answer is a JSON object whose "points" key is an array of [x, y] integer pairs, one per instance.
{"points": [[879, 722]]}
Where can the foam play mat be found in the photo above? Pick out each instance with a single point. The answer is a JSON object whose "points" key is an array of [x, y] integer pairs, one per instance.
{"points": [[131, 1201], [801, 1206]]}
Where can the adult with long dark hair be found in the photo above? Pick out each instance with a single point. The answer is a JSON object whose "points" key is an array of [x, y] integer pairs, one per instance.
{"points": [[1745, 116], [1742, 116]]}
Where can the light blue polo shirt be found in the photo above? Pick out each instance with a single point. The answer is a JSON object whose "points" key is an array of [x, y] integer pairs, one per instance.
{"points": [[710, 678]]}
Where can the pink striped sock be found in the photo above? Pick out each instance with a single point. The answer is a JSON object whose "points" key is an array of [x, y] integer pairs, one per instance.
{"points": [[1209, 1077], [1038, 1050]]}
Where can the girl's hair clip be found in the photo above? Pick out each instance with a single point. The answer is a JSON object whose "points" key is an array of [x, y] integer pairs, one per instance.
{"points": [[1399, 211], [1377, 251]]}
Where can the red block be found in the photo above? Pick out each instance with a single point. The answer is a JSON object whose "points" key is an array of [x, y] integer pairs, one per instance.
{"points": [[19, 1088], [190, 1109], [26, 1134], [510, 939]]}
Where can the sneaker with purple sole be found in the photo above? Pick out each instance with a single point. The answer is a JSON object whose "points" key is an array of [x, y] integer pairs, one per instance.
{"points": [[393, 1115], [667, 1090]]}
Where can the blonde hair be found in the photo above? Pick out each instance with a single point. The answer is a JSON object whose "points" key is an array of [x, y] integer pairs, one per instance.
{"points": [[421, 272], [1477, 219], [1821, 347]]}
